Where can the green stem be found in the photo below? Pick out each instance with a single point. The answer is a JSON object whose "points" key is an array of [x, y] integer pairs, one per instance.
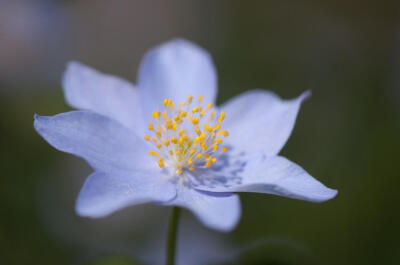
{"points": [[172, 236]]}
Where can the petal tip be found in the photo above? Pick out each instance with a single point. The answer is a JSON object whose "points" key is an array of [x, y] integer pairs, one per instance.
{"points": [[38, 120], [305, 95], [328, 195]]}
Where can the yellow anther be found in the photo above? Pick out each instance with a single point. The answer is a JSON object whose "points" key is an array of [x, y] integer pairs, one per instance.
{"points": [[177, 152], [203, 146], [197, 139], [209, 105], [221, 117], [199, 155], [178, 166], [151, 126], [181, 140], [174, 126], [159, 146], [190, 161], [171, 104], [146, 137], [218, 141], [156, 114], [202, 113], [158, 134], [208, 164], [165, 142], [201, 98], [195, 109], [202, 136], [224, 133], [161, 162], [191, 168], [192, 151], [181, 132], [213, 159], [173, 140], [171, 153], [198, 131], [207, 156], [165, 102], [164, 115], [207, 128], [212, 114], [189, 99], [182, 104], [154, 153], [183, 114], [154, 139], [195, 121], [215, 147], [216, 127], [224, 149], [178, 171]]}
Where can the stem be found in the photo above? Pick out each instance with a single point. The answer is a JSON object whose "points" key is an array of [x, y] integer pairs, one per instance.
{"points": [[172, 236]]}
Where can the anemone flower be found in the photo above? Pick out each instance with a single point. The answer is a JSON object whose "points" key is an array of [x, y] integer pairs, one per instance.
{"points": [[164, 141]]}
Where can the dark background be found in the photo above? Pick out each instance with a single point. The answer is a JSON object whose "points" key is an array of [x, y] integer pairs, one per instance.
{"points": [[347, 134]]}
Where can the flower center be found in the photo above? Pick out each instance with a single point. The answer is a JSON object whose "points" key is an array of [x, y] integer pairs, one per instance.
{"points": [[186, 137]]}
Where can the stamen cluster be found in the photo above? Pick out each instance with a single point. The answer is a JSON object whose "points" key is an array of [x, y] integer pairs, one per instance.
{"points": [[187, 136]]}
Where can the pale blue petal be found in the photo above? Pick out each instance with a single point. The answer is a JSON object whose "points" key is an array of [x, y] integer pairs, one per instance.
{"points": [[259, 121], [103, 194], [107, 145], [175, 70], [260, 173], [88, 89], [220, 211]]}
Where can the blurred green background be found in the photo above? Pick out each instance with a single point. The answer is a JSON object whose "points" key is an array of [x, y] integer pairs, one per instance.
{"points": [[347, 134]]}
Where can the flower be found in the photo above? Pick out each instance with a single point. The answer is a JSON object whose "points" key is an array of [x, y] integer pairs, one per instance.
{"points": [[164, 141]]}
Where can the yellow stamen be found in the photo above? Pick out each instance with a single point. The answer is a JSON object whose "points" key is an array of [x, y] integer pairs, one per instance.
{"points": [[156, 114], [189, 99], [151, 126], [154, 153], [221, 117], [161, 162], [224, 133], [195, 121]]}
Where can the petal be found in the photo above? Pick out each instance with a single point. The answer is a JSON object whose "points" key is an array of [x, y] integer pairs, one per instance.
{"points": [[260, 121], [104, 143], [260, 173], [88, 89], [103, 194], [175, 70], [220, 211]]}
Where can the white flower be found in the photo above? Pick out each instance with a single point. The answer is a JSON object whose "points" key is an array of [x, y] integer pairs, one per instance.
{"points": [[164, 140]]}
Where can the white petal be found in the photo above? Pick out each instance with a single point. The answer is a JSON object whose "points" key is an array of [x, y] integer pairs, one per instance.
{"points": [[259, 121], [107, 145], [103, 194], [88, 89], [260, 173], [175, 70], [220, 211]]}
